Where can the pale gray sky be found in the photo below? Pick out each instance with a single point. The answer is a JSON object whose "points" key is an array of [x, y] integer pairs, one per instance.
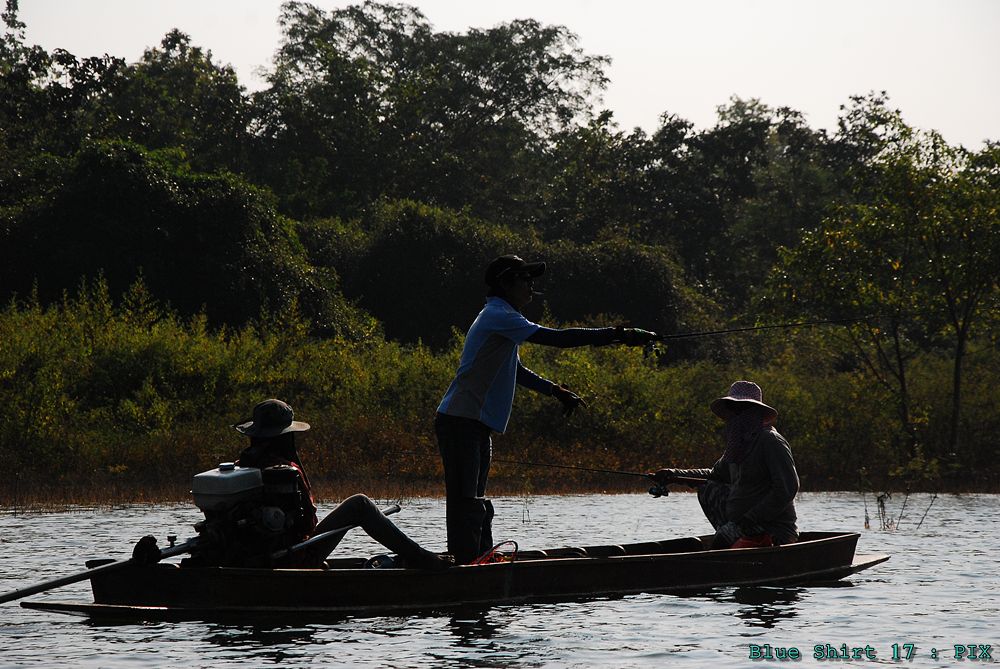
{"points": [[938, 59]]}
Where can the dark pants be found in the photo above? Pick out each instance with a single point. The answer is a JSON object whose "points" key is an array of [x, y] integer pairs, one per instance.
{"points": [[466, 450], [713, 497]]}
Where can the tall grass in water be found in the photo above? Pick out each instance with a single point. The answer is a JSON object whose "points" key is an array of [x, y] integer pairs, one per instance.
{"points": [[106, 401]]}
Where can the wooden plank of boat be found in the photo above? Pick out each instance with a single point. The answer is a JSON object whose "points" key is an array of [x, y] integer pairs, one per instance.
{"points": [[673, 566]]}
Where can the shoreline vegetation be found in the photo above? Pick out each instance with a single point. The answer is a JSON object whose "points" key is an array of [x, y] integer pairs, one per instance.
{"points": [[117, 402], [175, 249], [84, 497]]}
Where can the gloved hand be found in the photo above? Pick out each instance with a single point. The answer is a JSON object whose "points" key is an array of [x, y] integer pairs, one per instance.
{"points": [[665, 476], [569, 400], [635, 336], [726, 535]]}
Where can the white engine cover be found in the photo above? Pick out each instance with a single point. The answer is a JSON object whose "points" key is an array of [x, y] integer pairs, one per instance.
{"points": [[221, 488]]}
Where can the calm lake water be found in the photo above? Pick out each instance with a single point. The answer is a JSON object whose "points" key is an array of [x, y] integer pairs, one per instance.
{"points": [[940, 589]]}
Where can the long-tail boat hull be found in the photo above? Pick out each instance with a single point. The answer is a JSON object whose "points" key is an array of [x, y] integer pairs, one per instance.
{"points": [[345, 587]]}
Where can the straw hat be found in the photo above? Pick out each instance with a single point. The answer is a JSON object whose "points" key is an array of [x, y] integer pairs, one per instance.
{"points": [[743, 393]]}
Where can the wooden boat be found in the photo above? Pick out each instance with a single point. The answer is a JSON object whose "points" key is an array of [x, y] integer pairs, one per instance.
{"points": [[346, 587]]}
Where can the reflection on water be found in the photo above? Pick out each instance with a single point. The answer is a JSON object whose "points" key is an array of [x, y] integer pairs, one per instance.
{"points": [[470, 626], [758, 606], [766, 607], [258, 636], [938, 589]]}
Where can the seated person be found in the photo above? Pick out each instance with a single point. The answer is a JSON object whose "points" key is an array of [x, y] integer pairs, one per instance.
{"points": [[272, 443], [748, 494]]}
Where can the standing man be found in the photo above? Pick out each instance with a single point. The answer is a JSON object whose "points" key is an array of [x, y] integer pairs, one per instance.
{"points": [[478, 401], [748, 494]]}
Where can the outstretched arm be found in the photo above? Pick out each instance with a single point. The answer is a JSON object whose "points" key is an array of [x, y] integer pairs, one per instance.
{"points": [[718, 472], [574, 337]]}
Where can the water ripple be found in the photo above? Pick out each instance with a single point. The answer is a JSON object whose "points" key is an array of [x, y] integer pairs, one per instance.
{"points": [[940, 588]]}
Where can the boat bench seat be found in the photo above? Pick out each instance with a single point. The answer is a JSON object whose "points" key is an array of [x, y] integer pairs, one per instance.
{"points": [[604, 551], [645, 548], [567, 552]]}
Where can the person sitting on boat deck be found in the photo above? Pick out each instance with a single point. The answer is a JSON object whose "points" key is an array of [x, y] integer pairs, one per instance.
{"points": [[272, 433], [479, 399], [749, 493]]}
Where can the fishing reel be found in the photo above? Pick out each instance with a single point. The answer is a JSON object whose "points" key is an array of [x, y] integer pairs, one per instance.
{"points": [[657, 490], [654, 350]]}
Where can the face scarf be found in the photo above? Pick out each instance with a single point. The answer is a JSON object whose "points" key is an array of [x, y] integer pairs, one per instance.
{"points": [[740, 432]]}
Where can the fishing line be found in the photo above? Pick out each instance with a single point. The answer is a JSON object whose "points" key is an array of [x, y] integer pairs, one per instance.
{"points": [[525, 463], [656, 490], [754, 328]]}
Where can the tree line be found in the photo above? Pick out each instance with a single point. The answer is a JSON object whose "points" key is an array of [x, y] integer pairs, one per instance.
{"points": [[384, 163]]}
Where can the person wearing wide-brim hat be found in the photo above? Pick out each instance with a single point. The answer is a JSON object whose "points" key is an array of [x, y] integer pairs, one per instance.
{"points": [[272, 431], [748, 495], [479, 399]]}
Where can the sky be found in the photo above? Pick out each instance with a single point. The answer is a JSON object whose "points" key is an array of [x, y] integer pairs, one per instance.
{"points": [[938, 60]]}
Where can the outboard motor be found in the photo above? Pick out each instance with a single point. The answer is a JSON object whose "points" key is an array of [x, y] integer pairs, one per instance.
{"points": [[248, 512]]}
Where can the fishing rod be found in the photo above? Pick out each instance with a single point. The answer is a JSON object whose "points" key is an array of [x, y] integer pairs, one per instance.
{"points": [[754, 328], [525, 463], [657, 490]]}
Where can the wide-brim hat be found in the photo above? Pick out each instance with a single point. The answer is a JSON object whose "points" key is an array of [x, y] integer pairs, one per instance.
{"points": [[511, 264], [271, 418], [743, 393]]}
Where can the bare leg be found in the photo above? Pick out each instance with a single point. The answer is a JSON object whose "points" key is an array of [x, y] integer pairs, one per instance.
{"points": [[360, 510]]}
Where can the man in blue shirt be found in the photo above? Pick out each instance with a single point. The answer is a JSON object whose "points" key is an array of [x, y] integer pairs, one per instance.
{"points": [[478, 402]]}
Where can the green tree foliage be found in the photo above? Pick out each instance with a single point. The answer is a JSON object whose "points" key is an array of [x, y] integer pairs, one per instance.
{"points": [[739, 190], [203, 242], [911, 249], [369, 101], [597, 184], [45, 103], [420, 269], [389, 162], [627, 282], [176, 97]]}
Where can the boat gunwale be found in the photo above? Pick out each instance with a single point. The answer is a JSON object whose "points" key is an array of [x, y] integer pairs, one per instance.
{"points": [[137, 611], [699, 555]]}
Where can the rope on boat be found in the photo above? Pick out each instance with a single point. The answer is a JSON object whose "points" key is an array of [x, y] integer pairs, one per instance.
{"points": [[493, 555]]}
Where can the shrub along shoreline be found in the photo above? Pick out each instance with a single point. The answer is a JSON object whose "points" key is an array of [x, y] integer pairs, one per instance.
{"points": [[113, 403]]}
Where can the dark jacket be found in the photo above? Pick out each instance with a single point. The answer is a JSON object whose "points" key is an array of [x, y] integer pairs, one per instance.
{"points": [[764, 485], [262, 458]]}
